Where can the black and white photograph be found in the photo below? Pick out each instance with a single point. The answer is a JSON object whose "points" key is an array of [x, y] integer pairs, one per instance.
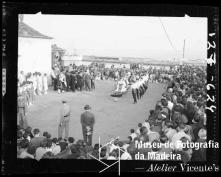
{"points": [[115, 88]]}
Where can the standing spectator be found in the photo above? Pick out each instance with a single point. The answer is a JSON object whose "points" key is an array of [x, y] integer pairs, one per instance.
{"points": [[35, 83], [45, 84], [73, 81], [87, 81], [21, 77], [62, 83], [39, 84], [87, 122], [53, 78], [32, 94], [65, 115], [92, 81], [22, 108]]}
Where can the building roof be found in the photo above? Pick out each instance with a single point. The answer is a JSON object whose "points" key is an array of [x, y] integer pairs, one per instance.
{"points": [[26, 31], [56, 48]]}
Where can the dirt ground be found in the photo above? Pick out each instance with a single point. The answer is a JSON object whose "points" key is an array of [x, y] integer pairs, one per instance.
{"points": [[112, 118]]}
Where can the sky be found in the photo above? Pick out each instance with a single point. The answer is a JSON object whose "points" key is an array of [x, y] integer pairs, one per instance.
{"points": [[125, 36]]}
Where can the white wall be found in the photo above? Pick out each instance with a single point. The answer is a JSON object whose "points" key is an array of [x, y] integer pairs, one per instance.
{"points": [[34, 54]]}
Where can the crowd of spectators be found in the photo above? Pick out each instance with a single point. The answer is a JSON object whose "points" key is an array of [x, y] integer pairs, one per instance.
{"points": [[178, 115]]}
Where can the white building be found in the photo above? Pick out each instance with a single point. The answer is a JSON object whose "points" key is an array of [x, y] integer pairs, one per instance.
{"points": [[68, 59], [34, 50]]}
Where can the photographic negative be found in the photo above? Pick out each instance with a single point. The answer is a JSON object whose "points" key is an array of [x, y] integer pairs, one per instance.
{"points": [[116, 90]]}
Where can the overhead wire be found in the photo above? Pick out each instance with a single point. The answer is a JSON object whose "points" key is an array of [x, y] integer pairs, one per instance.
{"points": [[167, 35]]}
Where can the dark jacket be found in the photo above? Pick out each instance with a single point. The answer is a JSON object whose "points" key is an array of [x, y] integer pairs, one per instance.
{"points": [[87, 119]]}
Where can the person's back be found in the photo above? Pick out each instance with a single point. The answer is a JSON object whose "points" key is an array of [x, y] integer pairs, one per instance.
{"points": [[87, 122], [87, 118], [36, 141]]}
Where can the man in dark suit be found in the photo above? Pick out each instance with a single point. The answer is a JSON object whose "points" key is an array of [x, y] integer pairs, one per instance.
{"points": [[92, 81], [87, 122], [68, 80], [73, 81]]}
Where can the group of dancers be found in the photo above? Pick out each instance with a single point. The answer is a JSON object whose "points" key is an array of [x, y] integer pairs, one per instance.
{"points": [[139, 87]]}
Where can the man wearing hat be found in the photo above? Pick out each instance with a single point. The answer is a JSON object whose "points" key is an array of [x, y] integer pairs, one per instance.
{"points": [[87, 122], [64, 119]]}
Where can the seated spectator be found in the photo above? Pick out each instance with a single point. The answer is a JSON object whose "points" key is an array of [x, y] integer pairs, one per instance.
{"points": [[180, 134], [95, 152], [75, 152], [143, 134], [132, 150], [70, 141], [65, 148], [114, 145], [133, 134], [186, 153], [48, 155], [36, 141], [28, 130], [31, 150], [24, 144], [26, 136], [163, 140], [19, 136], [170, 104], [190, 111], [155, 149], [138, 130], [196, 126], [146, 124], [113, 155], [46, 135], [126, 145], [199, 155], [60, 139], [63, 145], [55, 146], [89, 150], [125, 155], [153, 135], [64, 151], [103, 153], [40, 151]]}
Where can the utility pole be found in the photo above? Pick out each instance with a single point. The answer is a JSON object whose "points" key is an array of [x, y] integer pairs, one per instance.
{"points": [[184, 47]]}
